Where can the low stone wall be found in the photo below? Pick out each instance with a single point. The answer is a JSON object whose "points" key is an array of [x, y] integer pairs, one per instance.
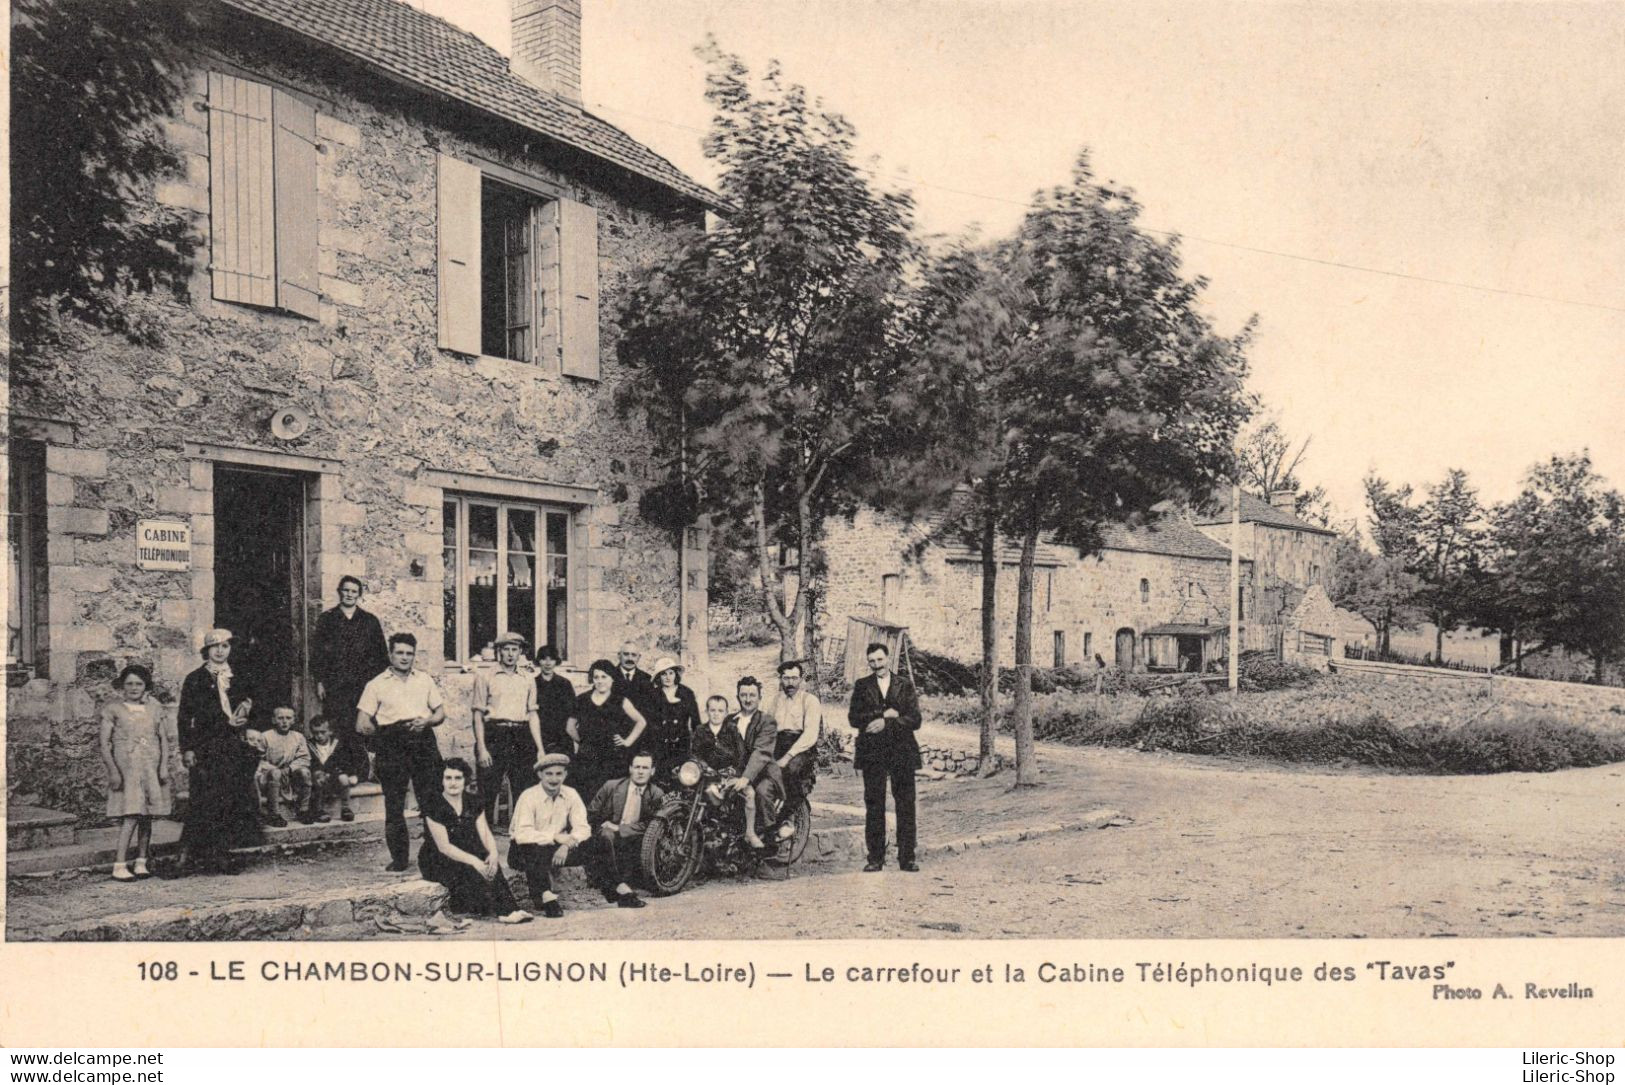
{"points": [[952, 762]]}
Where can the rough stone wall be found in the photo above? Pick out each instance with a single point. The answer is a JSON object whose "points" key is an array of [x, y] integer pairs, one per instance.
{"points": [[133, 430], [1086, 599]]}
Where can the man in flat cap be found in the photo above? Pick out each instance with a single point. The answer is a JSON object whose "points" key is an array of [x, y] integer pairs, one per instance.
{"points": [[548, 828], [507, 728]]}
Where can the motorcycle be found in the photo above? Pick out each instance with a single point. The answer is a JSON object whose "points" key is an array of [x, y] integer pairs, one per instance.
{"points": [[702, 828]]}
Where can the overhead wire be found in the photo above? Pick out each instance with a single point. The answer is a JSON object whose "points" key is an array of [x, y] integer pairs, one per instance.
{"points": [[899, 177]]}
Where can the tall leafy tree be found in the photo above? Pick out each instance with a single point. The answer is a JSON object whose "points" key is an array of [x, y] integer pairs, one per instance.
{"points": [[1449, 535], [1377, 587], [92, 81], [1121, 396], [767, 347], [1558, 551], [964, 334], [1393, 519]]}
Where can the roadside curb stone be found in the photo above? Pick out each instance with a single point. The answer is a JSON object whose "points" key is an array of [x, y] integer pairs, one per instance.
{"points": [[247, 920]]}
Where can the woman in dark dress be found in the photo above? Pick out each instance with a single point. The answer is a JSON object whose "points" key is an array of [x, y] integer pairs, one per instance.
{"points": [[460, 853], [677, 714], [222, 808], [605, 728]]}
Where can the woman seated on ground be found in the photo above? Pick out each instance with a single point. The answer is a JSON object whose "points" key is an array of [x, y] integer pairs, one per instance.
{"points": [[459, 852]]}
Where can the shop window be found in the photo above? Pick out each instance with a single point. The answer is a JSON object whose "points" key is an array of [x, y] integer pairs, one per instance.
{"points": [[26, 608], [507, 568]]}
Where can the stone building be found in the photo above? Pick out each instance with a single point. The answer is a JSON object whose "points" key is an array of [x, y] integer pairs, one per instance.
{"points": [[1289, 554], [394, 362], [1154, 597]]}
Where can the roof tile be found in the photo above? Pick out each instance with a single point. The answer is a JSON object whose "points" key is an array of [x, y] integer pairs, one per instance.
{"points": [[434, 54]]}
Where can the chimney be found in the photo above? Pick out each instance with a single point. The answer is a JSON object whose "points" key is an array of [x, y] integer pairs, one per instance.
{"points": [[547, 45], [1285, 500]]}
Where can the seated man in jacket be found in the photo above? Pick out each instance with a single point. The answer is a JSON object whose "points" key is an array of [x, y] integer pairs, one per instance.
{"points": [[619, 814]]}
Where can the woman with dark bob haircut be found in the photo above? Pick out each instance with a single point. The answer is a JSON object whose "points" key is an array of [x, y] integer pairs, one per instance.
{"points": [[605, 728], [459, 851], [135, 751]]}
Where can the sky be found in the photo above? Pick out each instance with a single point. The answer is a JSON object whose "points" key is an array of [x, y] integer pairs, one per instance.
{"points": [[1290, 145]]}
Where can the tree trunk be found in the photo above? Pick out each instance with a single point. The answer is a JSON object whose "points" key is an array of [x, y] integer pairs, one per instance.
{"points": [[1026, 757], [772, 583], [811, 536], [1438, 641], [990, 632], [803, 608]]}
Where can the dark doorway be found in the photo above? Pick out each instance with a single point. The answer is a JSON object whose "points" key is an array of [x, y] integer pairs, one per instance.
{"points": [[259, 582], [1125, 649], [1060, 648], [1190, 654]]}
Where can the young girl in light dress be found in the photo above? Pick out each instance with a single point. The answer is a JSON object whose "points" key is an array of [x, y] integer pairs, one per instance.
{"points": [[135, 750]]}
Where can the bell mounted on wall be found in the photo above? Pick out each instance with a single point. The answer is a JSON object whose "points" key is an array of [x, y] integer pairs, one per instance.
{"points": [[290, 423]]}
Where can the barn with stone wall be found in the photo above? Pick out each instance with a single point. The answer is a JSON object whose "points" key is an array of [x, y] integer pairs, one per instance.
{"points": [[1144, 579]]}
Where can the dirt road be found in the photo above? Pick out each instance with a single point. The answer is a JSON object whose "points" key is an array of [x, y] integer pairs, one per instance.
{"points": [[1217, 850]]}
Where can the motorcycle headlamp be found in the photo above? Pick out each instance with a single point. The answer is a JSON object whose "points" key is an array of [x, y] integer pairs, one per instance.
{"points": [[689, 774]]}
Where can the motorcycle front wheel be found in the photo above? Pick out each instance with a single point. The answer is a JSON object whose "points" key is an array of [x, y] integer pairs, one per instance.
{"points": [[668, 863]]}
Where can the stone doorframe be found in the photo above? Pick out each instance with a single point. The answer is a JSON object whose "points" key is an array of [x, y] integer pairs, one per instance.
{"points": [[326, 512]]}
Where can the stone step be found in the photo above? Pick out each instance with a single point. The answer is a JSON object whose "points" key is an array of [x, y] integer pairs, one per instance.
{"points": [[96, 848], [29, 828]]}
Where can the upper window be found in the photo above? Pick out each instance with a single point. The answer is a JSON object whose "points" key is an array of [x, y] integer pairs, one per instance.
{"points": [[262, 196], [518, 272], [26, 609], [507, 569], [1145, 591], [517, 311]]}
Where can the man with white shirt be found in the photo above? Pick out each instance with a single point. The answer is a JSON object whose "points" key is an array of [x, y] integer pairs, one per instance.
{"points": [[800, 717], [507, 727], [398, 711], [886, 712], [548, 828], [620, 814]]}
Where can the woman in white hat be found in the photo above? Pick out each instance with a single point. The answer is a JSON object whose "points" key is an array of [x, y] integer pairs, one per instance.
{"points": [[222, 808], [677, 713]]}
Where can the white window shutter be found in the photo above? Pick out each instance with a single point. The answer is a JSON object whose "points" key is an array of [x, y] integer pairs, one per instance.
{"points": [[458, 224], [242, 214], [578, 289], [298, 279]]}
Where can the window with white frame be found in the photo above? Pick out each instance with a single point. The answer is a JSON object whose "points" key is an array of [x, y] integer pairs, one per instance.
{"points": [[517, 269], [507, 570]]}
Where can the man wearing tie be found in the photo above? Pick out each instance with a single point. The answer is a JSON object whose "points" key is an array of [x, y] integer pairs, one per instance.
{"points": [[886, 712], [619, 815]]}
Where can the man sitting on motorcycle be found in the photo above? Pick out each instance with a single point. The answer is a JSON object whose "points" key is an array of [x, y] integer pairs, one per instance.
{"points": [[718, 743], [761, 771], [619, 814]]}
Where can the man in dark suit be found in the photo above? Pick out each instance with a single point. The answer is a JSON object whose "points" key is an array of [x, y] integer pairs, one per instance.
{"points": [[886, 712], [619, 815], [636, 684], [760, 772]]}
